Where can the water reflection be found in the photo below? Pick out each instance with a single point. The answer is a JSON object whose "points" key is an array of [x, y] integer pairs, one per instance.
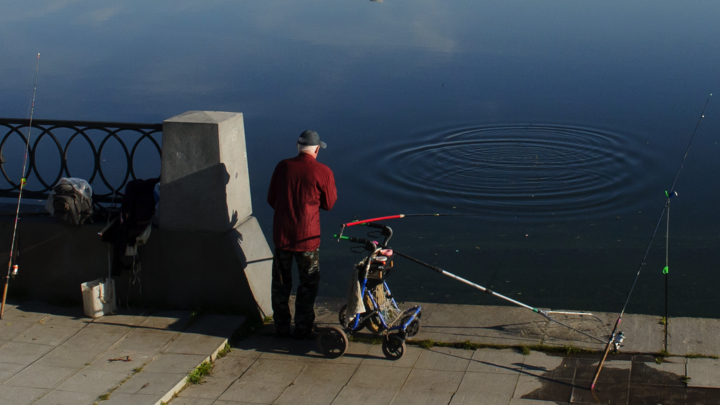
{"points": [[520, 169]]}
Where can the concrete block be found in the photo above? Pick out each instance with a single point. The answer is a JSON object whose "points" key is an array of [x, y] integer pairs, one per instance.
{"points": [[174, 363], [668, 373], [92, 382], [46, 334], [496, 361], [317, 384], [22, 353], [255, 258], [11, 395], [205, 183], [56, 397], [444, 358], [703, 373], [38, 376], [264, 381]]}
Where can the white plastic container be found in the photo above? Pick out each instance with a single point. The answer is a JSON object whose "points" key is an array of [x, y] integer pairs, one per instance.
{"points": [[99, 297]]}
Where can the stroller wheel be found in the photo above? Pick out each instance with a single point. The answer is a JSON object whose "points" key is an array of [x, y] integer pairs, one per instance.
{"points": [[393, 347], [413, 328], [332, 342]]}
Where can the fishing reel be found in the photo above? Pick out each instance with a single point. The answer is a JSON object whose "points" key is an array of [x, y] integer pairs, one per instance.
{"points": [[617, 341]]}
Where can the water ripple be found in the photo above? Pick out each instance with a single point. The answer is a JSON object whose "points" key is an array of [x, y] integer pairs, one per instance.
{"points": [[518, 169]]}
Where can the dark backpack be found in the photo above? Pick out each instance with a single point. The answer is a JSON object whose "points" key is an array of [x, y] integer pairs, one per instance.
{"points": [[70, 205]]}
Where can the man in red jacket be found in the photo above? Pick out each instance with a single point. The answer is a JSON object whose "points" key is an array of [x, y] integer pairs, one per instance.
{"points": [[299, 188]]}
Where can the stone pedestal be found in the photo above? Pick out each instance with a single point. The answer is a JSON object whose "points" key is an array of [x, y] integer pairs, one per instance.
{"points": [[205, 183]]}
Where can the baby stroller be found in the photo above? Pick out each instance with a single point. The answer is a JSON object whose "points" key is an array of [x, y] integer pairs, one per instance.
{"points": [[371, 304]]}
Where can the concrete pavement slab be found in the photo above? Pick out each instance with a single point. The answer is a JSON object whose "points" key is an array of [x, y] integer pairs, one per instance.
{"points": [[376, 357], [167, 320], [22, 353], [41, 376], [192, 343], [429, 386], [216, 325], [264, 381], [364, 395], [125, 318], [484, 399], [52, 335], [144, 340], [547, 389], [11, 395], [521, 401], [7, 370], [703, 373], [153, 383], [10, 329], [379, 377], [475, 385], [504, 361], [615, 371], [56, 397], [694, 336], [444, 358], [218, 402], [92, 382], [192, 401], [211, 388], [19, 314], [119, 398], [69, 356], [174, 363], [541, 364], [108, 360], [317, 384], [254, 346], [664, 374], [604, 393], [97, 337]]}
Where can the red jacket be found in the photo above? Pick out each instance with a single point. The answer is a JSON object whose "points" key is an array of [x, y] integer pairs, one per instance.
{"points": [[299, 188]]}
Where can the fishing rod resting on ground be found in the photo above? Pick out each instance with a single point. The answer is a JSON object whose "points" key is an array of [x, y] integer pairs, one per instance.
{"points": [[544, 313], [12, 270], [642, 263]]}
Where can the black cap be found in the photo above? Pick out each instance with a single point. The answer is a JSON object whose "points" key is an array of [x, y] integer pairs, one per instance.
{"points": [[311, 138]]}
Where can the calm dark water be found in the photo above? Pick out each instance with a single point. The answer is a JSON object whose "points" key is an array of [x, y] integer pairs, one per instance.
{"points": [[557, 125]]}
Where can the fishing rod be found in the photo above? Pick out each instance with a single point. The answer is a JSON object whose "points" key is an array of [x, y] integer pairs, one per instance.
{"points": [[544, 313], [12, 270], [642, 263], [365, 222]]}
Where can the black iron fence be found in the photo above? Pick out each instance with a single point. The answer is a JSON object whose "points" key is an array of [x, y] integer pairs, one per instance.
{"points": [[63, 134]]}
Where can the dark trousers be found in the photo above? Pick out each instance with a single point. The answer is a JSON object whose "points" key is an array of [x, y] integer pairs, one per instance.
{"points": [[309, 269]]}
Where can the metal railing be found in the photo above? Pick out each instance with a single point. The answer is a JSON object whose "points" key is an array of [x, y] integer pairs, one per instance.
{"points": [[96, 134]]}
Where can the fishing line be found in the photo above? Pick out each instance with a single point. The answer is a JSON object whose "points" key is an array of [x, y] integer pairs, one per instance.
{"points": [[642, 263], [23, 180]]}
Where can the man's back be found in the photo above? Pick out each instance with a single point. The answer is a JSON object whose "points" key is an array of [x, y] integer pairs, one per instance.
{"points": [[299, 188]]}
